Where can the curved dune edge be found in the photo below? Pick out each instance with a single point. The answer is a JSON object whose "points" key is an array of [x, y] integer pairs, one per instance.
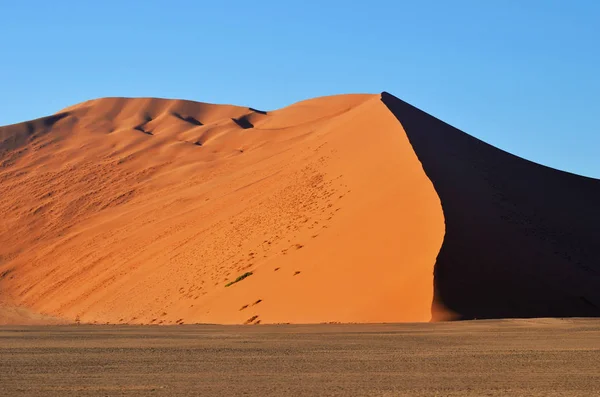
{"points": [[143, 210], [521, 239]]}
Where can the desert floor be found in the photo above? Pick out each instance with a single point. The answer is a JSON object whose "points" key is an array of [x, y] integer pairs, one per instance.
{"points": [[542, 357]]}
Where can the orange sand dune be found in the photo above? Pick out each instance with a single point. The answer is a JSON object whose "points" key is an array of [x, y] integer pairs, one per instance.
{"points": [[351, 208], [143, 210]]}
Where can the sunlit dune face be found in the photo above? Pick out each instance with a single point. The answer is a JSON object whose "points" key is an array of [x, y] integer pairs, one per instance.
{"points": [[163, 212]]}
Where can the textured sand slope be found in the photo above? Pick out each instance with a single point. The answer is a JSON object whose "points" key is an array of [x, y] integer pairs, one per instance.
{"points": [[142, 210], [522, 240]]}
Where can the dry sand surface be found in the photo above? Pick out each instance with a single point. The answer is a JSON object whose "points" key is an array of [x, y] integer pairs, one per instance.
{"points": [[545, 357], [335, 209], [143, 210]]}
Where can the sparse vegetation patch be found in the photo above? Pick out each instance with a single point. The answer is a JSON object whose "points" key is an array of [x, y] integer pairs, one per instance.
{"points": [[240, 278]]}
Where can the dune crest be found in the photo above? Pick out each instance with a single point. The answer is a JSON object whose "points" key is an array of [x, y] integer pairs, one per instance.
{"points": [[164, 211]]}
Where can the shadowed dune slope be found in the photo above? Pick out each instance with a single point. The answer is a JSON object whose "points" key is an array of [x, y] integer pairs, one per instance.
{"points": [[148, 210], [522, 240]]}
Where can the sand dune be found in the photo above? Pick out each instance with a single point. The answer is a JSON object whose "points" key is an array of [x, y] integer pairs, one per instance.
{"points": [[333, 209], [143, 210]]}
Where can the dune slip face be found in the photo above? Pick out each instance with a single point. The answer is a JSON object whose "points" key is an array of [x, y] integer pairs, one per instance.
{"points": [[156, 211], [521, 239]]}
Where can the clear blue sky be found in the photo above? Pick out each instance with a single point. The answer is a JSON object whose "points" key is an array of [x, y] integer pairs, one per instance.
{"points": [[523, 75]]}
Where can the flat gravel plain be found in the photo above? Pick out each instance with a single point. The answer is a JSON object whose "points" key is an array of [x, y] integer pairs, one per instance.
{"points": [[541, 357]]}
